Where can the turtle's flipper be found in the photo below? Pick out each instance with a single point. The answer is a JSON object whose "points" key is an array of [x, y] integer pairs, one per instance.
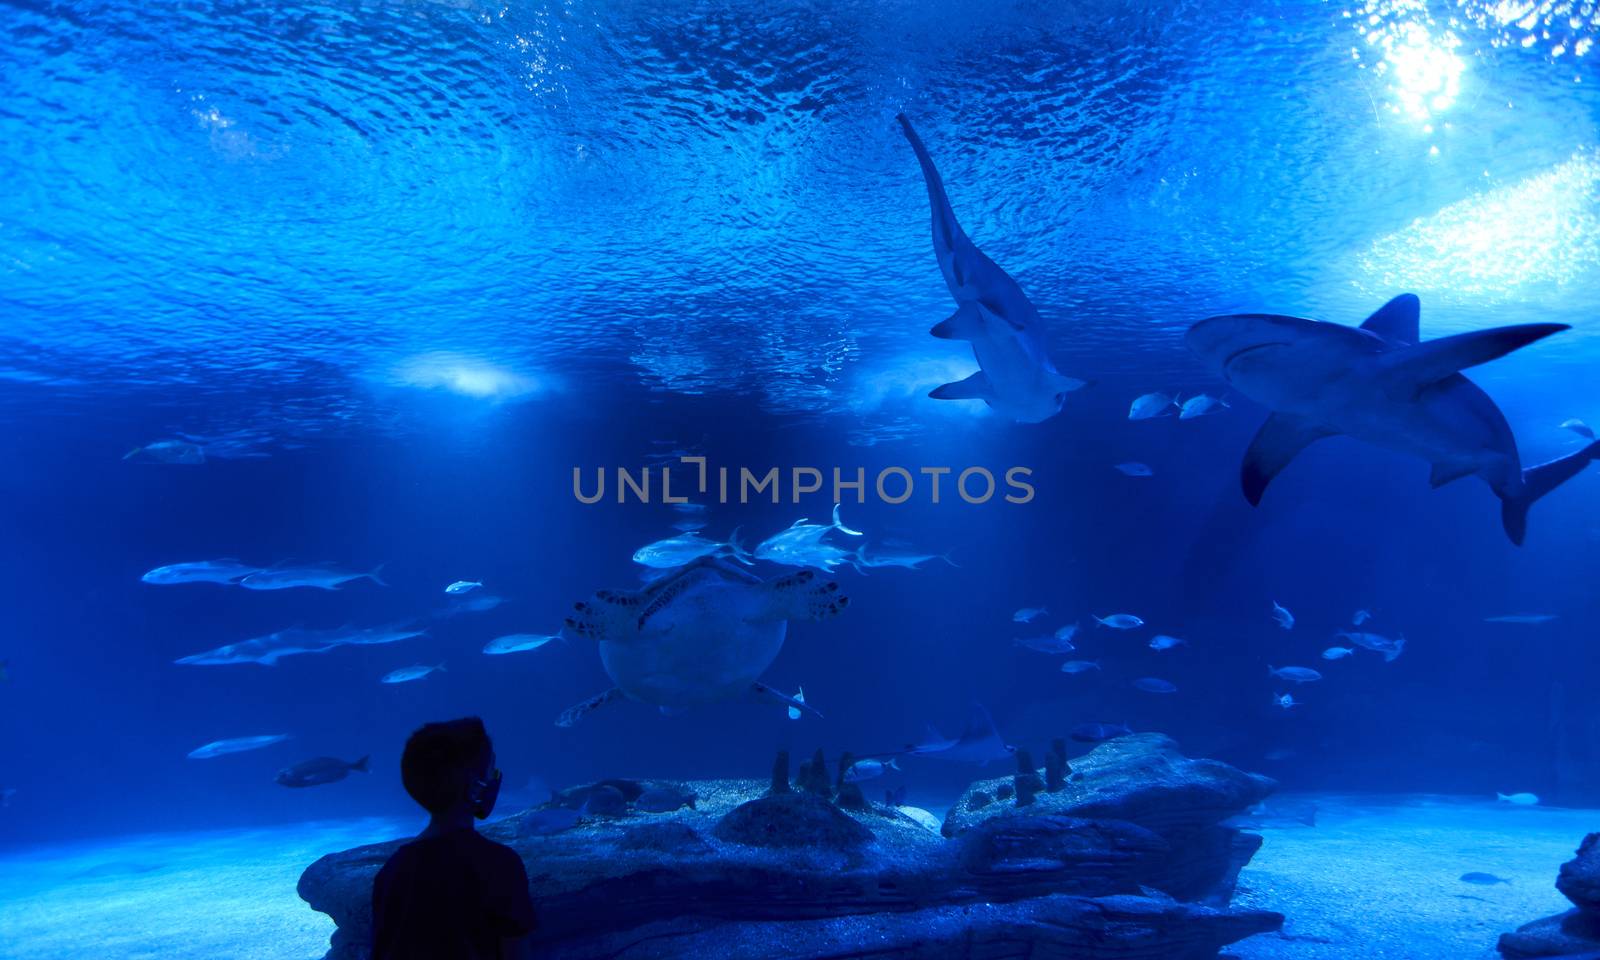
{"points": [[573, 714], [608, 615], [801, 596], [762, 690]]}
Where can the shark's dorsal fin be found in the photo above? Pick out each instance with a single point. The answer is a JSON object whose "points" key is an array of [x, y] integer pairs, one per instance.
{"points": [[1413, 368], [1278, 441], [975, 387], [965, 324], [1398, 320]]}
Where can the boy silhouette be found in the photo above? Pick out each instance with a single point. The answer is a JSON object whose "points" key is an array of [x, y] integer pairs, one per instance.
{"points": [[451, 894]]}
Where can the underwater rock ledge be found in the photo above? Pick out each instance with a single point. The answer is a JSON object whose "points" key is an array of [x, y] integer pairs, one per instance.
{"points": [[1571, 934], [1125, 858]]}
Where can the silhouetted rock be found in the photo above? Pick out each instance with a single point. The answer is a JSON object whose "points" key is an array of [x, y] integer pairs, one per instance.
{"points": [[1576, 931], [780, 773], [792, 876], [1579, 878], [1027, 782], [1055, 767]]}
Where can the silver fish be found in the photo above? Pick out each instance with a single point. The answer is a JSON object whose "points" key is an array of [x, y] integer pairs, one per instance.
{"points": [[685, 548], [801, 545], [1337, 653], [1045, 644], [318, 771], [1281, 614], [201, 571], [217, 748], [462, 586], [1375, 642], [868, 770], [1163, 642], [1080, 666], [518, 642], [321, 576], [1149, 405], [1120, 621], [1029, 614], [1154, 685], [1135, 469], [1297, 674], [405, 674], [1199, 406]]}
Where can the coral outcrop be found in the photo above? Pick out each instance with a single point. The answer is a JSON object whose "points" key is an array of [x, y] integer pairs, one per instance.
{"points": [[1578, 930], [1126, 858]]}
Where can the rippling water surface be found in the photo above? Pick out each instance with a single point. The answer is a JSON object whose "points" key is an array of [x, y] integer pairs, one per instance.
{"points": [[313, 202]]}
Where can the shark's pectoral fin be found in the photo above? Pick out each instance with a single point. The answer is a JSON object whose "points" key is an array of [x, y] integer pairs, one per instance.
{"points": [[1060, 383], [1444, 472], [994, 310], [1410, 370], [965, 324], [1397, 320], [975, 387], [1278, 441]]}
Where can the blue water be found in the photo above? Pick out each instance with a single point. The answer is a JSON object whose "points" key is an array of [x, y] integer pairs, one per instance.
{"points": [[400, 267]]}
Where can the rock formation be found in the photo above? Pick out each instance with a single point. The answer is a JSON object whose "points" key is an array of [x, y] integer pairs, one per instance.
{"points": [[1126, 860], [1578, 930]]}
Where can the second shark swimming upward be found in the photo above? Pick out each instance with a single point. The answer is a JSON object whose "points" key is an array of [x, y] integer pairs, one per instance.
{"points": [[1379, 383], [1008, 339]]}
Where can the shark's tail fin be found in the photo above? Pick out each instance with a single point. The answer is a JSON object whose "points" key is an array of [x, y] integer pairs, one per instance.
{"points": [[1538, 481]]}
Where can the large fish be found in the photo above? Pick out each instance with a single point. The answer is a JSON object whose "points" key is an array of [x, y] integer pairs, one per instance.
{"points": [[1381, 384], [1016, 377]]}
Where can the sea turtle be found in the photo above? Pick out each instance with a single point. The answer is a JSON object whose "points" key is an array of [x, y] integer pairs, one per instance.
{"points": [[702, 634]]}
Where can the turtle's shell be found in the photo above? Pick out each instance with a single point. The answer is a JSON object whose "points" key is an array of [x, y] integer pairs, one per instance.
{"points": [[706, 635]]}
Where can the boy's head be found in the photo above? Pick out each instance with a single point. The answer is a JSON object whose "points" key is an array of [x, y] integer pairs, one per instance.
{"points": [[447, 764]]}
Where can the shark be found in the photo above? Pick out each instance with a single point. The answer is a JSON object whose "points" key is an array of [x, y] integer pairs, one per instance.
{"points": [[1382, 384], [1016, 377]]}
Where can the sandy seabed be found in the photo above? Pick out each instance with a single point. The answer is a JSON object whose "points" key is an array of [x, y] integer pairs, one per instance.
{"points": [[1376, 878]]}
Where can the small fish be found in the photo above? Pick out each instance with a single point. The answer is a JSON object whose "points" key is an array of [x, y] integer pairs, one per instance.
{"points": [[1579, 427], [1066, 631], [1523, 618], [462, 586], [168, 451], [689, 526], [689, 507], [404, 674], [1163, 642], [1134, 469], [1375, 642], [321, 576], [897, 557], [1337, 653], [318, 771], [477, 603], [1518, 799], [1120, 621], [801, 544], [1154, 685], [1150, 405], [665, 799], [1080, 666], [685, 548], [1099, 732], [1482, 879], [1361, 616], [217, 748], [1297, 674], [1199, 406], [1029, 614], [868, 770], [1048, 643], [799, 697], [227, 571], [518, 643], [1281, 614], [1285, 700]]}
